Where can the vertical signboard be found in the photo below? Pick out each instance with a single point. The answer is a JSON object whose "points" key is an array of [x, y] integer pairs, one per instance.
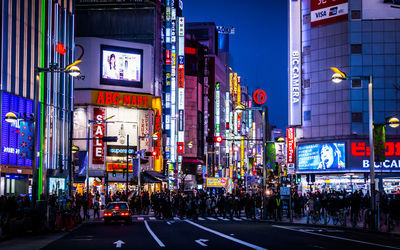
{"points": [[156, 103], [98, 133], [290, 145], [294, 63], [217, 109], [328, 11], [181, 80]]}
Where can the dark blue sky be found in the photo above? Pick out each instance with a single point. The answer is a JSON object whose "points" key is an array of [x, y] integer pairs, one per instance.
{"points": [[259, 47]]}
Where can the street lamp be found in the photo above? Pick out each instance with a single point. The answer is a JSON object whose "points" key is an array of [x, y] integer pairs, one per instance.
{"points": [[72, 70], [337, 77]]}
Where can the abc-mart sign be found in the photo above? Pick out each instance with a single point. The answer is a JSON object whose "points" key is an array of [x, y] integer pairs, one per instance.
{"points": [[328, 11]]}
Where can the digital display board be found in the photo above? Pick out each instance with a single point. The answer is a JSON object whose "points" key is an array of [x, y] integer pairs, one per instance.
{"points": [[121, 66], [322, 157]]}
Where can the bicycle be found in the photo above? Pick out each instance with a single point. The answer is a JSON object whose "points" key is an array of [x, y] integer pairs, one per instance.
{"points": [[315, 217], [339, 217]]}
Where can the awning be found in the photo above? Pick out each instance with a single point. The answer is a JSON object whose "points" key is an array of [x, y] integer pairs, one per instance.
{"points": [[190, 165], [156, 175], [189, 160], [144, 178]]}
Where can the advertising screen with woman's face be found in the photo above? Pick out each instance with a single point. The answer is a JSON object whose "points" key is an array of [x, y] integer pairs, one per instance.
{"points": [[321, 157], [121, 66]]}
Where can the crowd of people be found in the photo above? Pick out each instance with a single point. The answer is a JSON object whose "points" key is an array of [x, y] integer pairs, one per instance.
{"points": [[63, 212]]}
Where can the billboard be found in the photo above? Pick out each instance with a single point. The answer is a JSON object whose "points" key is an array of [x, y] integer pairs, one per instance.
{"points": [[216, 182], [328, 11], [294, 63], [322, 157], [121, 66], [380, 9], [290, 146]]}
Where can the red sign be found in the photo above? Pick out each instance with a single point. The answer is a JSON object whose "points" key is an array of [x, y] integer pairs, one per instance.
{"points": [[259, 96], [180, 148], [328, 11], [157, 130], [108, 98], [361, 149], [98, 133], [181, 76], [61, 48], [189, 50], [118, 167], [290, 136]]}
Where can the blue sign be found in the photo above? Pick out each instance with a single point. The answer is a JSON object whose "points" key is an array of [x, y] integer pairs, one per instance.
{"points": [[135, 167], [83, 162], [321, 157]]}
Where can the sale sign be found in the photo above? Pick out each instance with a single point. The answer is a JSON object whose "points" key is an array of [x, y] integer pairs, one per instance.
{"points": [[98, 133]]}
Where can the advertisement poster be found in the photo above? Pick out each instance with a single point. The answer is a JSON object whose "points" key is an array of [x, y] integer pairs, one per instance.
{"points": [[56, 185], [328, 11], [380, 9], [121, 129], [26, 140], [321, 157], [119, 65], [270, 155]]}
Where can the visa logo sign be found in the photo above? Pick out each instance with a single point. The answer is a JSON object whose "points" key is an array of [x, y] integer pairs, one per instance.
{"points": [[320, 14]]}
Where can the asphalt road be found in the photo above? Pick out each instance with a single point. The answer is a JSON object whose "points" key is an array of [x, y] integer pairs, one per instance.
{"points": [[218, 234]]}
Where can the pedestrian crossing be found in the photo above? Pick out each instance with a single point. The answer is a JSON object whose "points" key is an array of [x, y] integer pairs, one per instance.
{"points": [[206, 218]]}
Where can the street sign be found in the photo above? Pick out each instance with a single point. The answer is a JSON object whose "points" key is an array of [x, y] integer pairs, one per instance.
{"points": [[285, 190], [259, 96]]}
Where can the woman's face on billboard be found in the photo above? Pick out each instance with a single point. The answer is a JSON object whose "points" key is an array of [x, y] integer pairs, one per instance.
{"points": [[327, 155]]}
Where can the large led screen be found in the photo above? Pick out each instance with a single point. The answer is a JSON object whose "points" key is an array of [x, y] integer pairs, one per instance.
{"points": [[321, 157], [121, 66]]}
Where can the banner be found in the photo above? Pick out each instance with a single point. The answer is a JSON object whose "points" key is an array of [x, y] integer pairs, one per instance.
{"points": [[290, 136], [83, 162], [379, 142], [328, 11], [270, 155], [26, 140], [135, 167], [98, 133]]}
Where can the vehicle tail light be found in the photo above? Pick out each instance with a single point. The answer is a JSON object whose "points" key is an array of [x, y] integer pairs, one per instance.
{"points": [[116, 208]]}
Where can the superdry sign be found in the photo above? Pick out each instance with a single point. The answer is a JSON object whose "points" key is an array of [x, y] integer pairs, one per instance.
{"points": [[328, 11], [109, 98], [290, 136]]}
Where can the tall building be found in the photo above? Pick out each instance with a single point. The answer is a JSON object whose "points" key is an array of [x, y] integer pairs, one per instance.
{"points": [[37, 43], [361, 38], [124, 74]]}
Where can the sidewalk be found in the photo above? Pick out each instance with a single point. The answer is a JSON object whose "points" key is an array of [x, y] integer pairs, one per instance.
{"points": [[348, 225]]}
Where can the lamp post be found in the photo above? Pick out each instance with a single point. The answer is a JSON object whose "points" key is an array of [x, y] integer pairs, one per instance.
{"points": [[337, 77], [73, 71]]}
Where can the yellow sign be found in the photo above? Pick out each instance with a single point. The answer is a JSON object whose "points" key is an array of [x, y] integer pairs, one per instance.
{"points": [[231, 83], [239, 94], [216, 182], [235, 84]]}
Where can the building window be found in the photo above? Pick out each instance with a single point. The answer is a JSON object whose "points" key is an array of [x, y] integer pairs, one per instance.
{"points": [[307, 50], [307, 115], [356, 48], [356, 83], [355, 14], [356, 117], [306, 83], [306, 19]]}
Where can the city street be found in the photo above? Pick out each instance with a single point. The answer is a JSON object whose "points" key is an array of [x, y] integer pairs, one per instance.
{"points": [[149, 233]]}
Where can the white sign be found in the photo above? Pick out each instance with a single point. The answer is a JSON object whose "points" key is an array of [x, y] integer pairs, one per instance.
{"points": [[295, 63], [181, 28], [226, 30]]}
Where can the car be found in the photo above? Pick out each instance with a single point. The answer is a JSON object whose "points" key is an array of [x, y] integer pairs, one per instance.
{"points": [[116, 211]]}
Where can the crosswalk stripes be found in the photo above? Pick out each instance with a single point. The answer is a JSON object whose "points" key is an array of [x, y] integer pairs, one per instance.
{"points": [[211, 218], [200, 218], [176, 218], [140, 218], [237, 219], [152, 218], [222, 218]]}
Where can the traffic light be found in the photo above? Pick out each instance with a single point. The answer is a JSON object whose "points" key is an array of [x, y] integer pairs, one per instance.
{"points": [[114, 174], [218, 139], [154, 153], [298, 178]]}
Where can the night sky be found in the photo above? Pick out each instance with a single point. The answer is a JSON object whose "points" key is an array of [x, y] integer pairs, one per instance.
{"points": [[259, 45]]}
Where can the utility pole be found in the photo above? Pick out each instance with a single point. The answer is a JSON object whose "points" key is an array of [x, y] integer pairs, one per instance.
{"points": [[263, 163], [127, 166]]}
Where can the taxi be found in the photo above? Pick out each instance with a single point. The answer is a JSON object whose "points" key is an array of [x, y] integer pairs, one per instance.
{"points": [[116, 211]]}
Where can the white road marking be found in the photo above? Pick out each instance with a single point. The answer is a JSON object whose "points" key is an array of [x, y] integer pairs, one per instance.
{"points": [[200, 218], [243, 218], [169, 223], [211, 218], [176, 218], [153, 234], [118, 243], [140, 218], [152, 218], [201, 242], [225, 236], [237, 219], [336, 237], [222, 218]]}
